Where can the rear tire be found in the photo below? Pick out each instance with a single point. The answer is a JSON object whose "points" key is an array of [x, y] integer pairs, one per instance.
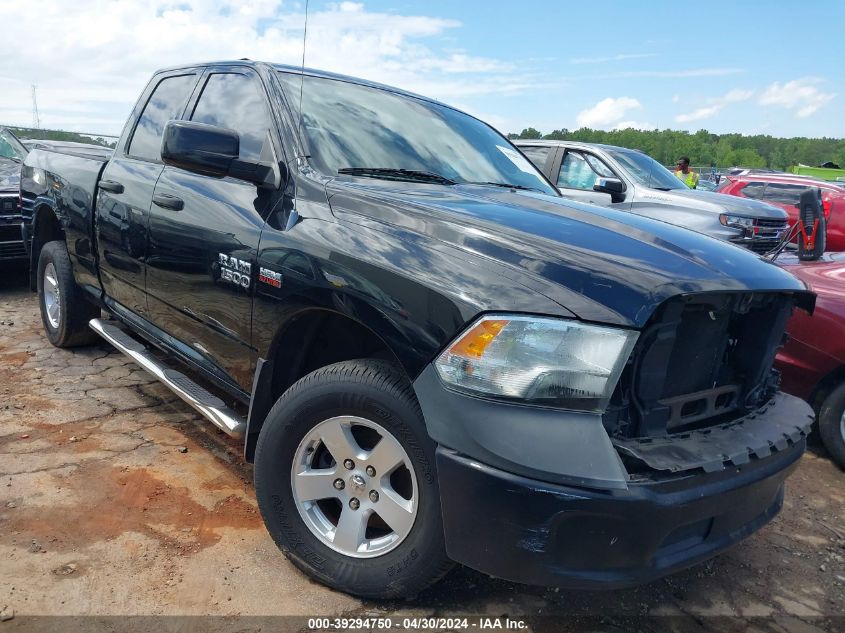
{"points": [[65, 311], [832, 424], [371, 403]]}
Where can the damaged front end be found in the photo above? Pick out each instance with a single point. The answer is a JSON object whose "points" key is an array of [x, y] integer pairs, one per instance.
{"points": [[699, 391]]}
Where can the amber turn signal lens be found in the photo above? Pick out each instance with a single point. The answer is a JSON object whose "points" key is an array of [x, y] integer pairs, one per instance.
{"points": [[474, 342]]}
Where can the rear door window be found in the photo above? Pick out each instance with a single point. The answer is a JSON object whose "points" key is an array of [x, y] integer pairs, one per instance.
{"points": [[165, 103], [537, 155], [782, 193], [753, 190]]}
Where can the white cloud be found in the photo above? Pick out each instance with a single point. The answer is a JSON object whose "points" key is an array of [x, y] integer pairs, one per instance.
{"points": [[607, 112], [610, 58], [716, 105], [91, 63], [801, 95]]}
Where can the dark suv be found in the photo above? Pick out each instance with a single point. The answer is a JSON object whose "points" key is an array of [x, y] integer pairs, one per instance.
{"points": [[12, 154]]}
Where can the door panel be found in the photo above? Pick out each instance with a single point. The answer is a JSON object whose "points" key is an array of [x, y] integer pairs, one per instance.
{"points": [[204, 232], [122, 230], [128, 181], [201, 267]]}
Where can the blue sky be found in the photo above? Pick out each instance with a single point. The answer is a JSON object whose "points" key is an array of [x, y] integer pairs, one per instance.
{"points": [[580, 53], [732, 67]]}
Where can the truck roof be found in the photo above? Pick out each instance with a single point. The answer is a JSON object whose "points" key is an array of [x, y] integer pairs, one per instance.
{"points": [[311, 72], [556, 143]]}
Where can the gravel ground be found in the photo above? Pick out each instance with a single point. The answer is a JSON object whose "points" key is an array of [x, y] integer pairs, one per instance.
{"points": [[116, 499]]}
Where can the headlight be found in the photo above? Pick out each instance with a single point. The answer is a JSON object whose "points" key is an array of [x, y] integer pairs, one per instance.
{"points": [[737, 221], [36, 175], [551, 362]]}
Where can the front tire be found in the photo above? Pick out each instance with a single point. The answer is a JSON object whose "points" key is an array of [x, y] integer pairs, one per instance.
{"points": [[832, 424], [346, 482], [65, 311]]}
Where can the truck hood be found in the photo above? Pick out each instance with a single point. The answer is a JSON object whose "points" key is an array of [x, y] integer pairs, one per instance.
{"points": [[717, 203], [601, 264], [10, 174]]}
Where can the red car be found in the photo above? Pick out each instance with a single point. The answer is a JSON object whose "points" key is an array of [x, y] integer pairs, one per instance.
{"points": [[813, 360], [784, 190]]}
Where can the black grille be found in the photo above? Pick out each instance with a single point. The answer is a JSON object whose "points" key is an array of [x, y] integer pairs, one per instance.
{"points": [[702, 360], [12, 250], [762, 246], [771, 224]]}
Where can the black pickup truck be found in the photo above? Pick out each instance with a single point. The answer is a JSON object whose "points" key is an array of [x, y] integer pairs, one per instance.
{"points": [[13, 224], [431, 355]]}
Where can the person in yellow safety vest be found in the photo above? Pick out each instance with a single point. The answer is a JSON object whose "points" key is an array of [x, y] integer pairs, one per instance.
{"points": [[689, 178]]}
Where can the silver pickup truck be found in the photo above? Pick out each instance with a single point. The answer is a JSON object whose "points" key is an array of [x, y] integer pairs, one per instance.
{"points": [[628, 179]]}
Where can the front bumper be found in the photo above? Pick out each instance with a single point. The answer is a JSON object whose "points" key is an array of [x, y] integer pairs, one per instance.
{"points": [[543, 496], [538, 533], [12, 229]]}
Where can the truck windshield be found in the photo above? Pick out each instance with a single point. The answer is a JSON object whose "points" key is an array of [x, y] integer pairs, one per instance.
{"points": [[11, 147], [368, 131], [647, 171]]}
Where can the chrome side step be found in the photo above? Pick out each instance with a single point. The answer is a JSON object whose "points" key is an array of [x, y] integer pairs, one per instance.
{"points": [[195, 395]]}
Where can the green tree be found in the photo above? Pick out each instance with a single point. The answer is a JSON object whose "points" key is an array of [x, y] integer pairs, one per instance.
{"points": [[705, 148]]}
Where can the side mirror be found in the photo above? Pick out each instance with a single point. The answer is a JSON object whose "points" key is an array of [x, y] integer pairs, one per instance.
{"points": [[211, 151], [204, 149], [613, 186]]}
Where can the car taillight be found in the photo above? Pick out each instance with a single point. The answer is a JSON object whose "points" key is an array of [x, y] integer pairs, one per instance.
{"points": [[826, 206]]}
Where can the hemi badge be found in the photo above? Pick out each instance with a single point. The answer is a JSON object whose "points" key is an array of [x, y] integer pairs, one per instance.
{"points": [[270, 277]]}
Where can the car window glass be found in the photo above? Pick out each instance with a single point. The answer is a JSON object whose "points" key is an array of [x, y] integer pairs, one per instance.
{"points": [[782, 193], [236, 102], [646, 171], [350, 125], [576, 173], [10, 146], [598, 166], [536, 155], [165, 103], [753, 189]]}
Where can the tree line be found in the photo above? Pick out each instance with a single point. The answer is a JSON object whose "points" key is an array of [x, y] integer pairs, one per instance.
{"points": [[706, 149], [60, 135]]}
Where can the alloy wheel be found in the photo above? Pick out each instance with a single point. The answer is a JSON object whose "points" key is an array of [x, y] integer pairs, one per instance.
{"points": [[52, 306], [355, 486]]}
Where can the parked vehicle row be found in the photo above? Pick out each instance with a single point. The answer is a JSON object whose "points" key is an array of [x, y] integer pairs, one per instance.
{"points": [[784, 191], [813, 359], [632, 181], [432, 356], [12, 223]]}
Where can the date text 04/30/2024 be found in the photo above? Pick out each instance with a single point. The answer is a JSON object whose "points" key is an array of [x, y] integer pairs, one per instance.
{"points": [[422, 623]]}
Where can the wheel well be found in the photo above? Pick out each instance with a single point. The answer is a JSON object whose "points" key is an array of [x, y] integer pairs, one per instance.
{"points": [[314, 339], [825, 386], [45, 228]]}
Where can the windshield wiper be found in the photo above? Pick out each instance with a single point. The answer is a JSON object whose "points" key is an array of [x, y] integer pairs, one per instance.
{"points": [[504, 184], [388, 173]]}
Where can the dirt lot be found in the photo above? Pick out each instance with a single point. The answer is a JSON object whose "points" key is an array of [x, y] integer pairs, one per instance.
{"points": [[104, 512]]}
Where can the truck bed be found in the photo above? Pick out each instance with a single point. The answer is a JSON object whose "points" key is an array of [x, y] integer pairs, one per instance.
{"points": [[64, 183]]}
